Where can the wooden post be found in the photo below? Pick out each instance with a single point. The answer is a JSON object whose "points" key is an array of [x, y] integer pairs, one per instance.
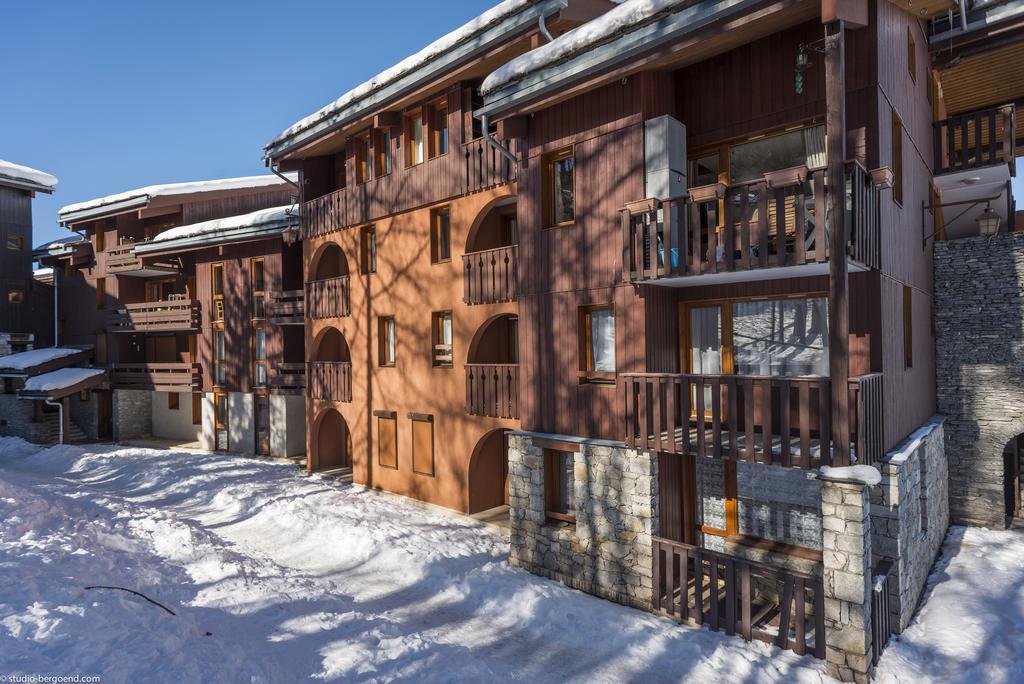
{"points": [[835, 146]]}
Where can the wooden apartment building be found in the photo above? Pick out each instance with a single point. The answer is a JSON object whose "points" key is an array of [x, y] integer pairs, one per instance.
{"points": [[186, 292]]}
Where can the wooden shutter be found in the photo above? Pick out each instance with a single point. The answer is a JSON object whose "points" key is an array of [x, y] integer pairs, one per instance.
{"points": [[387, 441], [423, 444]]}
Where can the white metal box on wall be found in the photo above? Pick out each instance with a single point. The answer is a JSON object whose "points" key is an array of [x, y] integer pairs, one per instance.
{"points": [[664, 157]]}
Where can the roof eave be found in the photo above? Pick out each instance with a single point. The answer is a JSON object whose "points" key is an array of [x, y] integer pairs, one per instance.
{"points": [[593, 62], [102, 210], [500, 32], [25, 184], [233, 235]]}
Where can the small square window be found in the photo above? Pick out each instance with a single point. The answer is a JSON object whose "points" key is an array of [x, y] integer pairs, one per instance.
{"points": [[440, 235], [172, 401], [83, 395], [15, 242], [15, 296]]}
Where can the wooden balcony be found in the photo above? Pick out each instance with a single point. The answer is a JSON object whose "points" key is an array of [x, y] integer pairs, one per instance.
{"points": [[770, 223], [157, 377], [286, 308], [330, 380], [122, 259], [491, 276], [492, 390], [739, 597], [758, 419], [167, 316], [486, 167], [328, 298], [974, 140], [289, 378]]}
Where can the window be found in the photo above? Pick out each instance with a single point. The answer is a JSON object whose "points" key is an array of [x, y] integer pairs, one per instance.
{"points": [[83, 395], [559, 192], [260, 357], [897, 157], [440, 235], [559, 485], [259, 289], [220, 422], [386, 350], [751, 160], [262, 406], [597, 344], [422, 444], [908, 327], [414, 138], [368, 250], [509, 230], [197, 408], [217, 290], [387, 439], [101, 293], [442, 339], [383, 149], [172, 401], [219, 357], [472, 125], [364, 158], [705, 170], [15, 296], [439, 128], [160, 290], [911, 55], [15, 242]]}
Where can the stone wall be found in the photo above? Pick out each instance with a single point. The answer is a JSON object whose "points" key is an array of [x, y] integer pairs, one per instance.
{"points": [[910, 515], [84, 415], [133, 414], [979, 316], [608, 552], [17, 419]]}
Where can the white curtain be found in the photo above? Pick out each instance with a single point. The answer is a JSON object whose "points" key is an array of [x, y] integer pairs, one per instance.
{"points": [[787, 337], [602, 340]]}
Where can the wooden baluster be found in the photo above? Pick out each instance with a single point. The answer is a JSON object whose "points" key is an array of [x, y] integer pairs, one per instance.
{"points": [[684, 584], [785, 609], [671, 417], [645, 432], [748, 419], [668, 231], [728, 236], [730, 596], [673, 579], [780, 227], [698, 386], [716, 417], [746, 628], [627, 258], [825, 431], [784, 424], [744, 226], [805, 424], [684, 414], [767, 432], [657, 388], [698, 585], [800, 624], [762, 224], [656, 562], [819, 619], [713, 594]]}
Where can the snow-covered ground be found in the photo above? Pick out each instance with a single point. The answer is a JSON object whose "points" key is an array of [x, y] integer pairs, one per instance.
{"points": [[275, 577]]}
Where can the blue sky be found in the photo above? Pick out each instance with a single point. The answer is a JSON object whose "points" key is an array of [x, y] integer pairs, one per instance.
{"points": [[113, 95]]}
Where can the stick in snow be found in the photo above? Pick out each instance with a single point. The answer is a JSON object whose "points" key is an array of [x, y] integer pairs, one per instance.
{"points": [[132, 591]]}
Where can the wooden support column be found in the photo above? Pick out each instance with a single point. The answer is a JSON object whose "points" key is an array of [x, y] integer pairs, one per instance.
{"points": [[839, 305]]}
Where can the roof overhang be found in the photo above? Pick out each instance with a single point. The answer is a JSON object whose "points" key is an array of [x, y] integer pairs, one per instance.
{"points": [[968, 193], [47, 366], [23, 184], [657, 40], [104, 210], [214, 238], [87, 382], [492, 37]]}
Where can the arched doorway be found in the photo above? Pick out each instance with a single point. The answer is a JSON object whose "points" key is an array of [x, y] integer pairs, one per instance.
{"points": [[330, 368], [1013, 455], [488, 472], [331, 346], [492, 369], [332, 447], [327, 293]]}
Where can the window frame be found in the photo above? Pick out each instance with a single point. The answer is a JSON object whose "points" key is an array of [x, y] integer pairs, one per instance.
{"points": [[439, 230], [434, 131], [258, 296], [257, 362], [18, 240], [911, 55], [908, 327], [437, 349], [408, 131], [548, 186], [383, 159], [364, 157], [387, 342], [217, 313], [220, 371], [897, 158], [420, 420], [554, 486], [15, 296], [368, 249], [586, 373], [173, 401]]}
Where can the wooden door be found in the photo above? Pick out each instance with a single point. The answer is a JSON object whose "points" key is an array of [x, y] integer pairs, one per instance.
{"points": [[104, 414]]}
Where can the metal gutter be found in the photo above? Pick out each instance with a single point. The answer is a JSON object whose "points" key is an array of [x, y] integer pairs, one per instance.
{"points": [[22, 184], [979, 20], [495, 35], [590, 62]]}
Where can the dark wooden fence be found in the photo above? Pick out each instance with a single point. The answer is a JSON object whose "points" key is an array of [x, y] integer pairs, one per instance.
{"points": [[975, 139], [492, 390], [763, 419], [490, 276], [739, 597], [769, 222], [168, 316], [330, 380], [328, 298], [286, 308], [157, 377]]}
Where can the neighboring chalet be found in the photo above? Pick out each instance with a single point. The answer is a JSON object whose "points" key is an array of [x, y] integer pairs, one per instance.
{"points": [[26, 305], [726, 216], [409, 227], [186, 292]]}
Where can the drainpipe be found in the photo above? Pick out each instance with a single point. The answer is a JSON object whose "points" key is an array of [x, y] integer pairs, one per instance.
{"points": [[60, 410], [56, 306], [544, 28], [495, 144], [283, 177], [963, 15]]}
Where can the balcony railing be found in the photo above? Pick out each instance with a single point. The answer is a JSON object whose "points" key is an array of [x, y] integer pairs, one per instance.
{"points": [[286, 308], [486, 167], [330, 380], [490, 276], [289, 378], [122, 259], [775, 221], [167, 316], [157, 377], [328, 298], [759, 419], [975, 139], [492, 390]]}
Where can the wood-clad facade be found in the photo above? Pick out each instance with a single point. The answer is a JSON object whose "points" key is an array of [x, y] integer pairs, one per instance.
{"points": [[26, 306]]}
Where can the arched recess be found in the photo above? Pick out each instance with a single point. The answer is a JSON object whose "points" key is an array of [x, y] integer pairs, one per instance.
{"points": [[328, 262], [332, 442], [497, 341], [488, 472], [1013, 459], [330, 345], [494, 227]]}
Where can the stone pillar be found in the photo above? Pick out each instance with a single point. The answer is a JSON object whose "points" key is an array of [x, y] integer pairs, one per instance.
{"points": [[846, 569]]}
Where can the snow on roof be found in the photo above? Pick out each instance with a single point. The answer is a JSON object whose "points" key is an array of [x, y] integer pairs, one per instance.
{"points": [[869, 475], [443, 44], [60, 379], [24, 360], [186, 188], [42, 272], [286, 214], [627, 16], [26, 174]]}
